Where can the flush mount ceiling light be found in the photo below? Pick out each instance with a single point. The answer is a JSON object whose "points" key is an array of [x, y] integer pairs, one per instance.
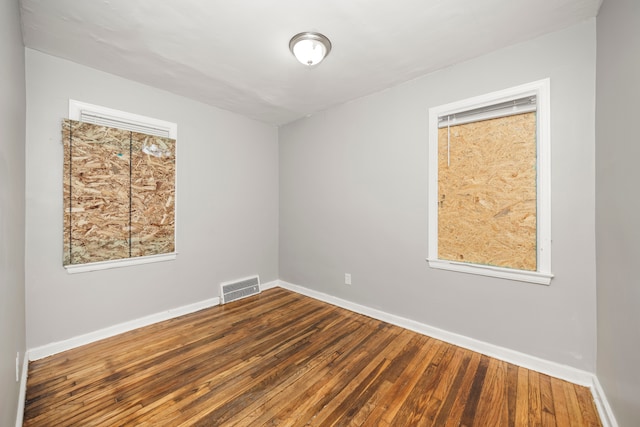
{"points": [[310, 48]]}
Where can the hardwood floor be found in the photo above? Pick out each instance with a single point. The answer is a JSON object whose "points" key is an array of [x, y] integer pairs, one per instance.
{"points": [[285, 359]]}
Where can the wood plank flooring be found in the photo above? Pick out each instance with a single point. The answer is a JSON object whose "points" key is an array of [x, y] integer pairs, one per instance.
{"points": [[281, 358]]}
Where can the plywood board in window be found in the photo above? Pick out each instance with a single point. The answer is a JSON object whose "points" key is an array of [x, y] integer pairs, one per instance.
{"points": [[96, 193], [119, 201], [153, 195], [487, 192]]}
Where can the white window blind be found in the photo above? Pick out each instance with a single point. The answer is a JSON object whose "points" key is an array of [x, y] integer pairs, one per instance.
{"points": [[103, 116], [508, 108]]}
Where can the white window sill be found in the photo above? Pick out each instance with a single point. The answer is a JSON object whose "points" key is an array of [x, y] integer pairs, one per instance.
{"points": [[104, 265], [487, 270]]}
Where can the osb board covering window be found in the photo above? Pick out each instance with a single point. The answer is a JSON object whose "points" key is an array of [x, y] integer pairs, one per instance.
{"points": [[118, 198], [487, 192]]}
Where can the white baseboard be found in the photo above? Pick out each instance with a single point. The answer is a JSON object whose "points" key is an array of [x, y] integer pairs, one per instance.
{"points": [[23, 390], [557, 370], [68, 344], [554, 369], [604, 409], [269, 285]]}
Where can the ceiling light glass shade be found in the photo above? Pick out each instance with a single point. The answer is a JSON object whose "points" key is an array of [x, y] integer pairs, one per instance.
{"points": [[310, 48]]}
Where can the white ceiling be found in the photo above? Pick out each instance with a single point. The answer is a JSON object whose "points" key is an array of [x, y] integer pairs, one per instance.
{"points": [[234, 54]]}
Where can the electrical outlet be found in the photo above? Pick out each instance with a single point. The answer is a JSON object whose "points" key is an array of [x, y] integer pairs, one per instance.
{"points": [[18, 367], [347, 278]]}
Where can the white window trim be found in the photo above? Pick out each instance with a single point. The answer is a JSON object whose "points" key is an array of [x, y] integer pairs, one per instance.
{"points": [[97, 114], [543, 275], [82, 111]]}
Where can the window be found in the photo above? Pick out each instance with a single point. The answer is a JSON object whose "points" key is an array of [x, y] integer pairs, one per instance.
{"points": [[118, 189], [489, 185]]}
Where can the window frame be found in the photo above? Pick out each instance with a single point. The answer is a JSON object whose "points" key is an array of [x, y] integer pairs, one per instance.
{"points": [[104, 116], [543, 275]]}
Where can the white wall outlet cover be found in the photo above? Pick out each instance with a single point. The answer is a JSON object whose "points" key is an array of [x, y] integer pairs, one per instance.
{"points": [[347, 278]]}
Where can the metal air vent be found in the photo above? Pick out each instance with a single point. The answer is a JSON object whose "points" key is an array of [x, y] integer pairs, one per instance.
{"points": [[237, 289]]}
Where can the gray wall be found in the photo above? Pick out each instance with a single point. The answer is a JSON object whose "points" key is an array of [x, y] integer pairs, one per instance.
{"points": [[353, 199], [12, 135], [618, 203], [227, 205]]}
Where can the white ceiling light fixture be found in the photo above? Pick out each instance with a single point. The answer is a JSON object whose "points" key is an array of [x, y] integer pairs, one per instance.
{"points": [[310, 48]]}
